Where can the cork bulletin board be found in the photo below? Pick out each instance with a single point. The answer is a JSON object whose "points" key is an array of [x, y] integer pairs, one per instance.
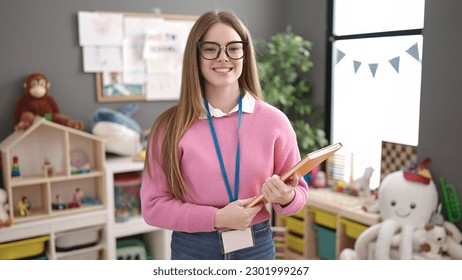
{"points": [[141, 58]]}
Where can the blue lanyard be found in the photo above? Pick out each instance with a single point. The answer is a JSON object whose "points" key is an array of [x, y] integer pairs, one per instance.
{"points": [[238, 151]]}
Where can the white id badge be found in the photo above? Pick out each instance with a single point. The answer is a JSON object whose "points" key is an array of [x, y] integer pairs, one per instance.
{"points": [[233, 240]]}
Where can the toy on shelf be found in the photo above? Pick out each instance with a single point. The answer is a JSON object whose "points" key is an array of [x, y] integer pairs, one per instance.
{"points": [[15, 167], [5, 219], [48, 169], [362, 184], [78, 195], [342, 187], [79, 162], [59, 204], [23, 206], [77, 198], [37, 101], [316, 178], [90, 201]]}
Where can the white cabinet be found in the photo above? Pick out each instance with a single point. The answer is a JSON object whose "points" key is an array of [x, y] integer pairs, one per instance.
{"points": [[54, 226], [157, 240]]}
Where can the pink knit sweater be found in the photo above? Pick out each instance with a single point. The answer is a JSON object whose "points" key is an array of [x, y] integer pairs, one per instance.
{"points": [[268, 146]]}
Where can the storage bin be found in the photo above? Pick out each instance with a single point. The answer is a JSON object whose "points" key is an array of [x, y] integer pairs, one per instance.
{"points": [[131, 249], [296, 243], [127, 196], [77, 239], [43, 256], [295, 225], [23, 248], [300, 215], [325, 241], [352, 229], [324, 218], [84, 255]]}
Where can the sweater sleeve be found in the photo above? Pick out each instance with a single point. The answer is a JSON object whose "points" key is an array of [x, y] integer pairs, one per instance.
{"points": [[287, 155], [159, 208]]}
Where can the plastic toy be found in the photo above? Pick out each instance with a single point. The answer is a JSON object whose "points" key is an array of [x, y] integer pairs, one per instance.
{"points": [[404, 206], [79, 162], [362, 184], [37, 101], [121, 132], [451, 201], [59, 204], [48, 169], [23, 206], [316, 178], [5, 219], [78, 196], [15, 168], [90, 200]]}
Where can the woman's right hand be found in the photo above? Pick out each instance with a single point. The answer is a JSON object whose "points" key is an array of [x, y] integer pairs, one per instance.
{"points": [[235, 215]]}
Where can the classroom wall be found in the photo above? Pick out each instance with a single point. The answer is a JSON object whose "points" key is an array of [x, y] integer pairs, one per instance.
{"points": [[441, 99]]}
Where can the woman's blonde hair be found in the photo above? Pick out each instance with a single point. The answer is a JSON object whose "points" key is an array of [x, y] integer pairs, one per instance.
{"points": [[170, 126]]}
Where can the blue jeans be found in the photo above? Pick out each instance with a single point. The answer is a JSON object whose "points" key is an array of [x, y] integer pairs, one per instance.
{"points": [[207, 246]]}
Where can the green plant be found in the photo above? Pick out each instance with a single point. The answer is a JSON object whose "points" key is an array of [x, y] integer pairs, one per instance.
{"points": [[283, 64]]}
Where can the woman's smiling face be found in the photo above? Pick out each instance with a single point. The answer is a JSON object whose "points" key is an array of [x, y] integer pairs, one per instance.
{"points": [[222, 71]]}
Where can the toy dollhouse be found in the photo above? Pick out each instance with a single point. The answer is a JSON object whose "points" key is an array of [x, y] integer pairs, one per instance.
{"points": [[49, 161]]}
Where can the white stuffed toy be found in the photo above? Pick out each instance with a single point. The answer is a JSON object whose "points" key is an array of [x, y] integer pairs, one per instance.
{"points": [[406, 201], [431, 241], [5, 219]]}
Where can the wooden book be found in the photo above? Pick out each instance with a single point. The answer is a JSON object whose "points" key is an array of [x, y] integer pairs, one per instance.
{"points": [[305, 165]]}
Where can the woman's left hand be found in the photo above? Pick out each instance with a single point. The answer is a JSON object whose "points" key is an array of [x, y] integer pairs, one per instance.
{"points": [[276, 191]]}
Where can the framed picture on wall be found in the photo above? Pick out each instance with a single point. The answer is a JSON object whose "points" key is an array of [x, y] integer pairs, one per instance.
{"points": [[110, 88]]}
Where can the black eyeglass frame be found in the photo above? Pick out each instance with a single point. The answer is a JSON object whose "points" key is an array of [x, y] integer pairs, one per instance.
{"points": [[201, 43]]}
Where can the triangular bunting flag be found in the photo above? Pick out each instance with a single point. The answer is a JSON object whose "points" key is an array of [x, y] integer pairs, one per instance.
{"points": [[414, 51], [395, 63], [356, 64], [340, 55], [373, 67]]}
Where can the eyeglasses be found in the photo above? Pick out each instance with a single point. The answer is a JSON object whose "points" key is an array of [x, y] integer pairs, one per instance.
{"points": [[210, 50]]}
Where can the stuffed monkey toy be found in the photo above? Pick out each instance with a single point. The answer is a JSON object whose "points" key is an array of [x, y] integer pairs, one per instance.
{"points": [[37, 101]]}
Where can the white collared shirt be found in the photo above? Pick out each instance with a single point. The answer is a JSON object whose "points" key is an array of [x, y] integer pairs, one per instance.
{"points": [[248, 104]]}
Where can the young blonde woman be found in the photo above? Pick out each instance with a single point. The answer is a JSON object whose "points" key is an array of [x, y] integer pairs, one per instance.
{"points": [[218, 148]]}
